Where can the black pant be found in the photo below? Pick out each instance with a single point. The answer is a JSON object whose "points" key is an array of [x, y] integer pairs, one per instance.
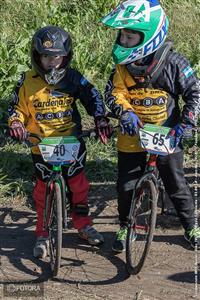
{"points": [[131, 167]]}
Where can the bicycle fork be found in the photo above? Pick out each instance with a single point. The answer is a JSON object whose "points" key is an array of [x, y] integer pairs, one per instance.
{"points": [[66, 204]]}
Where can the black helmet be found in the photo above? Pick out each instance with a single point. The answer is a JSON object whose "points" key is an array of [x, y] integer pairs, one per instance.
{"points": [[52, 41]]}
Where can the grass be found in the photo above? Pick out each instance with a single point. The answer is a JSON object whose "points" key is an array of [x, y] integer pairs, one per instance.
{"points": [[184, 17], [92, 56]]}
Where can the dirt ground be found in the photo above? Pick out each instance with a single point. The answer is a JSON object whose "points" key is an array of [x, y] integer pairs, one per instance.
{"points": [[96, 273]]}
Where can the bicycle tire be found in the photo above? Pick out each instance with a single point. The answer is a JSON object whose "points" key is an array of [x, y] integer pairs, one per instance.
{"points": [[66, 206], [55, 228], [161, 195], [141, 224]]}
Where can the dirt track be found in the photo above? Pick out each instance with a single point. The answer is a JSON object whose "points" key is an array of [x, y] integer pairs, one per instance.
{"points": [[92, 273]]}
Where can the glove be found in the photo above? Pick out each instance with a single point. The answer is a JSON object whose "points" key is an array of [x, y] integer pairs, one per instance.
{"points": [[104, 130], [18, 131], [178, 132], [130, 123]]}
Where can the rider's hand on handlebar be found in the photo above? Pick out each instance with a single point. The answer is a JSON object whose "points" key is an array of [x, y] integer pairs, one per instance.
{"points": [[177, 132], [130, 123], [104, 130], [18, 131]]}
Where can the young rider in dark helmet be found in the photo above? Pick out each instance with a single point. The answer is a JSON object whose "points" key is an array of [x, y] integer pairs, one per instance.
{"points": [[144, 87], [44, 103]]}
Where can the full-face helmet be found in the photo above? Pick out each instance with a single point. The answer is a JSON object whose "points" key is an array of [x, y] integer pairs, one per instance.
{"points": [[146, 17], [51, 41]]}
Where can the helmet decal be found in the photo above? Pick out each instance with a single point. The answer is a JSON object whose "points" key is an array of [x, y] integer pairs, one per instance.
{"points": [[47, 44], [139, 11], [158, 39]]}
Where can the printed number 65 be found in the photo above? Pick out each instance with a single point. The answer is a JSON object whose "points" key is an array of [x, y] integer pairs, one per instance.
{"points": [[158, 139]]}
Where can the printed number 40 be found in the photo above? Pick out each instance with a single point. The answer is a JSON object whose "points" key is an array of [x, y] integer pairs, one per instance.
{"points": [[59, 150]]}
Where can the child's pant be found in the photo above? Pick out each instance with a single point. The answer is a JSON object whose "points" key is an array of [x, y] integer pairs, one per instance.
{"points": [[77, 183], [131, 167], [79, 186]]}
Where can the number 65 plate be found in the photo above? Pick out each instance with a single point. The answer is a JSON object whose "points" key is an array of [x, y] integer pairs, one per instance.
{"points": [[59, 149], [155, 139]]}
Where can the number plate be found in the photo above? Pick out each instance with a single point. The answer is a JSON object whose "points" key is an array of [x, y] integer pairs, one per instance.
{"points": [[59, 149], [154, 139]]}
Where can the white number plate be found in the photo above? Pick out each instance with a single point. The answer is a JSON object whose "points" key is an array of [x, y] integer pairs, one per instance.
{"points": [[59, 149], [154, 139]]}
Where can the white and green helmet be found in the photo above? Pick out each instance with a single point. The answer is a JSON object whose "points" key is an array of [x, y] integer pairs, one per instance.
{"points": [[144, 16]]}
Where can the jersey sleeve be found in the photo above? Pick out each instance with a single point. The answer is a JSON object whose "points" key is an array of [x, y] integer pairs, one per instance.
{"points": [[90, 98], [117, 97], [185, 83], [18, 109]]}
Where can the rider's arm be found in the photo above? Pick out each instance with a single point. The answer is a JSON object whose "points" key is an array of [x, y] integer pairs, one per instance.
{"points": [[117, 97], [90, 97], [186, 84], [18, 109]]}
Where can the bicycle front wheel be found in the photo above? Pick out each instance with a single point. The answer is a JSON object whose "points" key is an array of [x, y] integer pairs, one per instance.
{"points": [[142, 221], [55, 227]]}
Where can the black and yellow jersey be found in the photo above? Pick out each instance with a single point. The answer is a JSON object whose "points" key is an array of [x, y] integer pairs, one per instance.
{"points": [[158, 104], [50, 110]]}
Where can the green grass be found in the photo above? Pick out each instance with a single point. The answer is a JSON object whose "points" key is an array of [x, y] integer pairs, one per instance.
{"points": [[92, 56], [92, 41], [184, 18], [15, 171]]}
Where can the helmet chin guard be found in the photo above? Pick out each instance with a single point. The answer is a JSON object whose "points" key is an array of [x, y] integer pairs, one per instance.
{"points": [[54, 76]]}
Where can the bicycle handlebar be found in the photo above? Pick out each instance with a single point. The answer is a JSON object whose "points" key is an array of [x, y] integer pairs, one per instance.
{"points": [[31, 136], [90, 133], [113, 116]]}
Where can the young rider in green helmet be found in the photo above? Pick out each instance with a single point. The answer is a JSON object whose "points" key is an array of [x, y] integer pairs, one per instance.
{"points": [[144, 87]]}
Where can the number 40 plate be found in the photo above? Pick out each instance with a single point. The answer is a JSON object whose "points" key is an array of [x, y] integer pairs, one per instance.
{"points": [[154, 139], [59, 149]]}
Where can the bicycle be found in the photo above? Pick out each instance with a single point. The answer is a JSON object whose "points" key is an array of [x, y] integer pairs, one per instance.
{"points": [[143, 210], [57, 151]]}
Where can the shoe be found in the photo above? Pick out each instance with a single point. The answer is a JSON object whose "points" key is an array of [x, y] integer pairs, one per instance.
{"points": [[193, 237], [90, 234], [41, 247], [119, 244]]}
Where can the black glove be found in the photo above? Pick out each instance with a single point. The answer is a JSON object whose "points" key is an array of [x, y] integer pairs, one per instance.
{"points": [[104, 130]]}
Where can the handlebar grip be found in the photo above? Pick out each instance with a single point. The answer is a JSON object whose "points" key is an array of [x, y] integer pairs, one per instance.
{"points": [[34, 135], [30, 143]]}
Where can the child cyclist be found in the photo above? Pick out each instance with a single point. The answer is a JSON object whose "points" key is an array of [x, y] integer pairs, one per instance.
{"points": [[144, 87], [44, 103]]}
